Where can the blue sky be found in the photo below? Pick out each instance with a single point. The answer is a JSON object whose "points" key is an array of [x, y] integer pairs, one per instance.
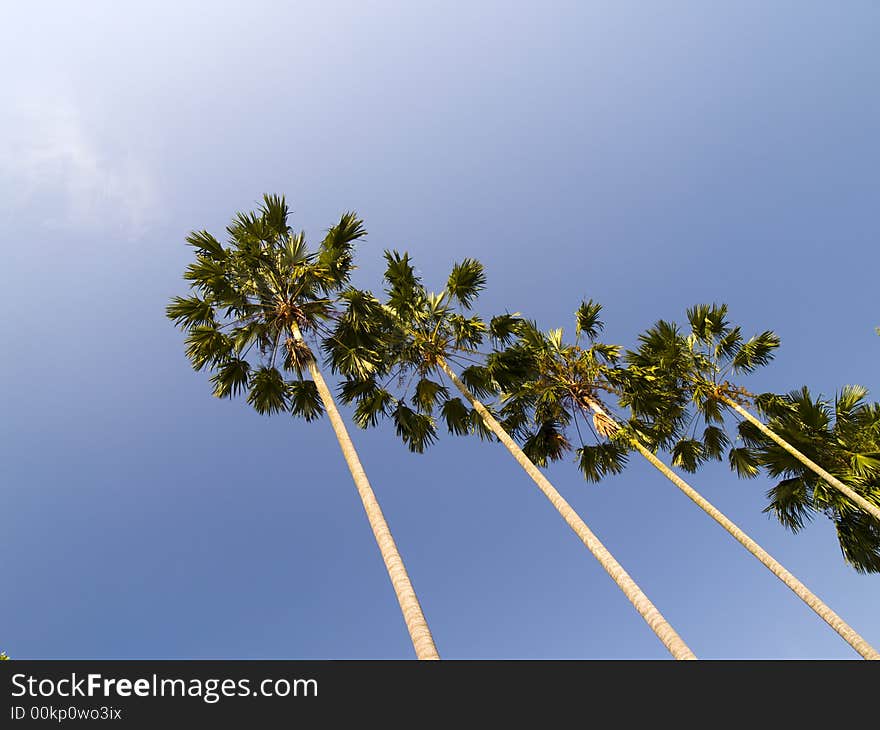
{"points": [[649, 158]]}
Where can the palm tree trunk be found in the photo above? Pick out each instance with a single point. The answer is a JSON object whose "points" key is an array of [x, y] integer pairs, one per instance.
{"points": [[870, 508], [811, 599], [416, 624], [659, 625]]}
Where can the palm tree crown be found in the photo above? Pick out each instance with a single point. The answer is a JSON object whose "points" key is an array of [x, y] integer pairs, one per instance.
{"points": [[252, 296], [390, 353], [689, 373], [845, 438], [549, 386]]}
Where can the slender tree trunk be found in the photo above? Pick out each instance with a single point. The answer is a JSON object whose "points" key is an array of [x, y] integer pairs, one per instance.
{"points": [[871, 509], [812, 600], [416, 624], [659, 625]]}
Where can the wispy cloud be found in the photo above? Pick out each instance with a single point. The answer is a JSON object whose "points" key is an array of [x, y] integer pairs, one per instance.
{"points": [[54, 165]]}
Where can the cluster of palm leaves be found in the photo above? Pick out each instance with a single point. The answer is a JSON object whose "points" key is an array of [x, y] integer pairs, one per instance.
{"points": [[392, 353], [844, 436], [263, 306]]}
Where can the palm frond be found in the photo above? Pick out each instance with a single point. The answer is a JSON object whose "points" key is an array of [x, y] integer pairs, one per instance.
{"points": [[189, 311], [755, 353], [687, 454], [274, 214], [750, 434], [849, 399], [456, 415], [504, 327], [406, 295], [427, 394], [547, 443], [708, 321], [371, 405], [207, 274], [206, 245], [859, 538], [744, 463], [601, 352], [772, 404], [336, 252], [268, 391], [601, 460], [231, 378], [790, 503], [478, 381], [715, 441], [728, 345], [865, 466], [511, 367], [305, 400], [466, 281], [206, 345], [587, 318], [467, 331], [416, 430]]}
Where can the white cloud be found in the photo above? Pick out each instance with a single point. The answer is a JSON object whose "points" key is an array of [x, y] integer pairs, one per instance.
{"points": [[52, 166]]}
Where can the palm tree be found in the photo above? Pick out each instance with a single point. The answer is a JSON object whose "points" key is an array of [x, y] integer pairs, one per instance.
{"points": [[558, 385], [701, 364], [846, 437], [256, 304], [413, 340]]}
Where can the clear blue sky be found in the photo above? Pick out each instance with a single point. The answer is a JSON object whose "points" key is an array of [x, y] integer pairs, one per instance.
{"points": [[647, 157]]}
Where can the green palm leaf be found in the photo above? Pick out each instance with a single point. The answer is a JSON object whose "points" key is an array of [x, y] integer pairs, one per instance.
{"points": [[304, 399], [601, 460], [466, 281], [744, 463], [268, 391], [457, 416], [687, 454], [232, 377], [504, 327], [547, 443], [371, 405], [758, 351], [587, 317], [416, 430]]}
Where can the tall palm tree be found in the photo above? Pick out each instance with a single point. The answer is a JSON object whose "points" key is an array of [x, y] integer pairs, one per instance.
{"points": [[701, 363], [409, 345], [558, 386], [256, 303], [846, 437]]}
